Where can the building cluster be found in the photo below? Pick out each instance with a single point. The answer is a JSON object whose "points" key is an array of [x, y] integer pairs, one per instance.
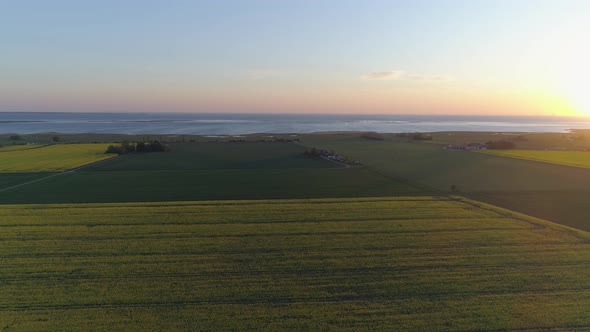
{"points": [[469, 146]]}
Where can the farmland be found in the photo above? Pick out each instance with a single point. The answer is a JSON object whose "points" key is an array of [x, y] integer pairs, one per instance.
{"points": [[569, 158], [201, 171], [19, 147], [52, 158], [413, 263], [555, 192], [219, 156]]}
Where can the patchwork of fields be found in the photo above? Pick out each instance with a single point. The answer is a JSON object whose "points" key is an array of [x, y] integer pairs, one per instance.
{"points": [[549, 191], [206, 171], [52, 158], [569, 158], [411, 263]]}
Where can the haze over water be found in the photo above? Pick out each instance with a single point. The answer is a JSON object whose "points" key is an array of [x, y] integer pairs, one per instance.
{"points": [[237, 124]]}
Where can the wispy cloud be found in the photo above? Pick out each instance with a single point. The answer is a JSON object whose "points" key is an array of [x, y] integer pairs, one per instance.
{"points": [[384, 75], [400, 75]]}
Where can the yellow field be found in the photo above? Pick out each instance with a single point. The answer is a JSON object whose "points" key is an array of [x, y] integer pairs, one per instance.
{"points": [[569, 158], [385, 264], [52, 158]]}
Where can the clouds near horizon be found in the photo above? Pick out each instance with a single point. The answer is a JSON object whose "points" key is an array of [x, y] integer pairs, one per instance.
{"points": [[400, 75]]}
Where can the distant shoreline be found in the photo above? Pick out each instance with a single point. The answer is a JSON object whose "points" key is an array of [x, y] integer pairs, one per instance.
{"points": [[244, 124]]}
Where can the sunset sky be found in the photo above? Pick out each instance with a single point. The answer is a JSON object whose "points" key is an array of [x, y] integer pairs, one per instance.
{"points": [[504, 57]]}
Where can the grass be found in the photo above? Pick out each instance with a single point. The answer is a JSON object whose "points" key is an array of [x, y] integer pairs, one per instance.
{"points": [[219, 156], [19, 147], [209, 171], [544, 190], [569, 158], [52, 158], [264, 170], [577, 139], [13, 179], [132, 186], [407, 263]]}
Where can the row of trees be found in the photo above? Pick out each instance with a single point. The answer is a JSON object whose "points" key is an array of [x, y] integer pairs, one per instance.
{"points": [[19, 137], [312, 153], [140, 147]]}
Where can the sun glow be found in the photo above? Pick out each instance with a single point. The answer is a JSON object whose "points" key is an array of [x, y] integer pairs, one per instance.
{"points": [[573, 89], [565, 59]]}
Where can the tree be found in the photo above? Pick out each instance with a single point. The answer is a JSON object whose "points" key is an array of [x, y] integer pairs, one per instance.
{"points": [[140, 147], [55, 138]]}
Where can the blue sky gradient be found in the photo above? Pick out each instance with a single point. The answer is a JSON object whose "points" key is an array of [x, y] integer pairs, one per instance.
{"points": [[476, 57]]}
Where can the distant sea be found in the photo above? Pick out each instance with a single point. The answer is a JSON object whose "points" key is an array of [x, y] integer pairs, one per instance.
{"points": [[237, 124]]}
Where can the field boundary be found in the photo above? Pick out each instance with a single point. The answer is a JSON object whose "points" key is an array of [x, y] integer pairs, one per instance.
{"points": [[33, 148], [584, 235], [62, 173], [532, 159]]}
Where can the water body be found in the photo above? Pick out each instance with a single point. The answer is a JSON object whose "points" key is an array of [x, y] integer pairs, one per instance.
{"points": [[236, 124]]}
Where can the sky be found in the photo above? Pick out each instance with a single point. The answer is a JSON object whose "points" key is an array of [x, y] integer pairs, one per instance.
{"points": [[476, 57]]}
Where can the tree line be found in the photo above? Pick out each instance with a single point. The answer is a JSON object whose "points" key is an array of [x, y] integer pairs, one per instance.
{"points": [[140, 147]]}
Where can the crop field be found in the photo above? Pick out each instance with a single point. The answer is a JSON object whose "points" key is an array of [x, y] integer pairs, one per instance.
{"points": [[220, 156], [569, 158], [549, 191], [209, 171], [52, 158], [19, 147], [411, 263], [12, 179], [137, 186]]}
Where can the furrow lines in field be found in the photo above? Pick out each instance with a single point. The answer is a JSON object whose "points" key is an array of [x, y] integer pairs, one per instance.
{"points": [[188, 235], [231, 222], [246, 203], [296, 300], [396, 271]]}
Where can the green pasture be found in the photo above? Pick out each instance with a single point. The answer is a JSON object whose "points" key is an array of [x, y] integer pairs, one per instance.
{"points": [[209, 171], [569, 158], [19, 147], [218, 156], [411, 263], [575, 140], [52, 158], [555, 192], [132, 186]]}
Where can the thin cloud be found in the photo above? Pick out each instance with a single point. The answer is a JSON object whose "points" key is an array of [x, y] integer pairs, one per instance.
{"points": [[399, 75], [392, 75], [260, 74]]}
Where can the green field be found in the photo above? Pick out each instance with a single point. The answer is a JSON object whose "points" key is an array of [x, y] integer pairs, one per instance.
{"points": [[569, 158], [219, 156], [12, 179], [555, 192], [575, 140], [52, 158], [205, 171], [19, 147], [265, 170], [411, 263]]}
